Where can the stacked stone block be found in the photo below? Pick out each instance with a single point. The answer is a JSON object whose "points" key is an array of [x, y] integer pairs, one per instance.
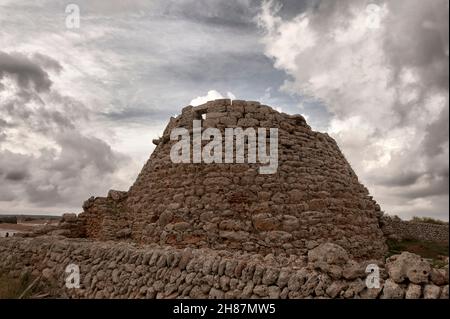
{"points": [[314, 197], [122, 270]]}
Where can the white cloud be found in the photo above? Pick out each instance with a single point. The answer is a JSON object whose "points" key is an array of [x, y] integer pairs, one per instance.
{"points": [[128, 67], [231, 96], [381, 83], [211, 95]]}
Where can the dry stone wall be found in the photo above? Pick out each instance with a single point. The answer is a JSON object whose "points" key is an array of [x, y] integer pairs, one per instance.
{"points": [[124, 270], [104, 218], [314, 197], [395, 228]]}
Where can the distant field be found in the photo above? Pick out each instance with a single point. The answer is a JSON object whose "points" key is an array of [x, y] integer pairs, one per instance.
{"points": [[29, 217], [23, 223], [11, 219], [425, 249], [16, 227]]}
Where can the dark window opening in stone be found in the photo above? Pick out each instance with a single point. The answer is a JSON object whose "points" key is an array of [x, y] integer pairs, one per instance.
{"points": [[200, 115]]}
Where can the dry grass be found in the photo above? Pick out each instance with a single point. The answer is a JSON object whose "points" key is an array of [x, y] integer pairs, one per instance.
{"points": [[425, 249], [12, 288]]}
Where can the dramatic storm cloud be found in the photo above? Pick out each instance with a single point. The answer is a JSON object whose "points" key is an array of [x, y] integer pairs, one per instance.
{"points": [[79, 107], [382, 72], [46, 161]]}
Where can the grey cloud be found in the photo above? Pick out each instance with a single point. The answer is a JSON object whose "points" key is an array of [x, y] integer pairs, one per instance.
{"points": [[292, 8], [16, 175], [433, 171], [87, 151], [426, 53], [6, 195], [158, 55], [47, 114], [436, 186], [402, 144], [184, 60], [436, 135], [402, 178], [430, 181], [5, 124], [74, 165], [233, 14], [138, 113], [47, 62], [214, 67], [25, 70], [167, 53], [11, 162], [428, 49], [67, 177], [326, 15], [41, 119]]}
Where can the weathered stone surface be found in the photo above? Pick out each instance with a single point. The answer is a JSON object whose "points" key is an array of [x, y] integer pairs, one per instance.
{"points": [[274, 292], [431, 291], [392, 290], [353, 270], [335, 289], [329, 253], [354, 288], [69, 217], [413, 291], [283, 277], [397, 229], [122, 270], [439, 277], [444, 292], [216, 294], [124, 233], [408, 266], [295, 281], [372, 293], [116, 195], [203, 205], [261, 290], [225, 231], [270, 276]]}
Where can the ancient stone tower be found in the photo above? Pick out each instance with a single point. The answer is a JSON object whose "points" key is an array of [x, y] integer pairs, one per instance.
{"points": [[313, 197]]}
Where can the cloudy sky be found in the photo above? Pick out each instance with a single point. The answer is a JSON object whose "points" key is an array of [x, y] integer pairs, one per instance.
{"points": [[80, 106]]}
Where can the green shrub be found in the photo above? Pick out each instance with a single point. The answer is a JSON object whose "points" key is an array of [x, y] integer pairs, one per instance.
{"points": [[428, 220]]}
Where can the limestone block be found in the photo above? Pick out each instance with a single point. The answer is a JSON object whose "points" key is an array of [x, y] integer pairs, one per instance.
{"points": [[408, 266], [392, 290]]}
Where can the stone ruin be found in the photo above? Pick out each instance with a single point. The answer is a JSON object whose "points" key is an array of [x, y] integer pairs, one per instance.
{"points": [[314, 197], [310, 230]]}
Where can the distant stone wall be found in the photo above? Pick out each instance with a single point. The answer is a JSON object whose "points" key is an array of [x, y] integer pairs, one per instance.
{"points": [[395, 228], [122, 270]]}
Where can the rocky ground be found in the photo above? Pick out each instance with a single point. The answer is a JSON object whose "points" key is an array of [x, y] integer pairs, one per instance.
{"points": [[124, 270]]}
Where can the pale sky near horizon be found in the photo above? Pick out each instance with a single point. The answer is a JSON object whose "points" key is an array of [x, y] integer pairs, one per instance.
{"points": [[79, 107]]}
